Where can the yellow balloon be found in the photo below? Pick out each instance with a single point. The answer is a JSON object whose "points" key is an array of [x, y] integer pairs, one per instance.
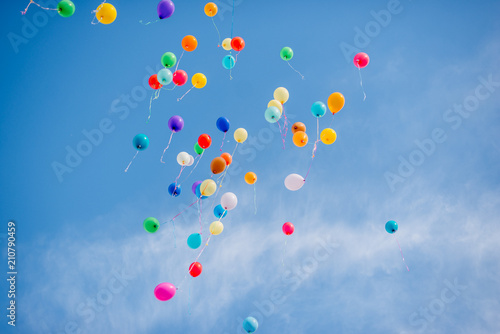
{"points": [[336, 102], [216, 227], [277, 104], [199, 80], [328, 136], [240, 135], [281, 94], [226, 44], [105, 13], [208, 187]]}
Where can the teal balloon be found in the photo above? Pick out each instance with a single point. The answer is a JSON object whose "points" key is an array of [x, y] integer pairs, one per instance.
{"points": [[141, 142], [318, 109], [286, 53], [272, 114], [250, 325], [228, 62], [164, 76], [219, 211], [391, 226], [194, 240]]}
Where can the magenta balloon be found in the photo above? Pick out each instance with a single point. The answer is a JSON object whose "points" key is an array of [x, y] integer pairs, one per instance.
{"points": [[361, 60], [193, 188], [175, 123], [165, 291], [165, 9], [288, 228]]}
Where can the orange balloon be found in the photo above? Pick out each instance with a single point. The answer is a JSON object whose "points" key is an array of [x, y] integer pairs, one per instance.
{"points": [[227, 158], [336, 102], [250, 177], [189, 43], [210, 9], [218, 165], [300, 138], [298, 126]]}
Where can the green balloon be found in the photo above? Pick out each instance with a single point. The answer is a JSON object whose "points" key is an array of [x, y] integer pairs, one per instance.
{"points": [[66, 8], [168, 59], [198, 149], [286, 53], [151, 224]]}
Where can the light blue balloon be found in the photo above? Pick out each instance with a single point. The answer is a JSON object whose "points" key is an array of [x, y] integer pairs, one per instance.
{"points": [[250, 325], [194, 240], [164, 76], [219, 211], [228, 62], [141, 142], [318, 109], [198, 192], [391, 226], [272, 114]]}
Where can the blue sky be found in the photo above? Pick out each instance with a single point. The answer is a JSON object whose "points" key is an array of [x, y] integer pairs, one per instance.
{"points": [[86, 265]]}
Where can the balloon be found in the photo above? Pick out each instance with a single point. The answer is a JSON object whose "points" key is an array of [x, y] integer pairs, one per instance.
{"points": [[328, 136], [391, 226], [281, 94], [272, 114], [199, 80], [300, 138], [361, 60], [298, 126], [168, 59], [277, 104], [222, 124], [288, 228], [211, 9], [195, 269], [250, 325], [151, 224], [229, 201], [226, 44], [227, 158], [240, 135], [164, 76], [191, 160], [286, 53], [193, 187], [204, 141], [208, 187], [165, 9], [219, 211], [141, 142], [189, 43], [237, 43], [336, 102], [216, 227], [153, 82], [105, 13], [174, 189], [218, 165], [66, 8], [175, 123], [183, 158], [194, 240], [164, 291], [228, 62], [318, 109], [294, 182], [250, 178], [179, 77], [198, 192], [198, 149]]}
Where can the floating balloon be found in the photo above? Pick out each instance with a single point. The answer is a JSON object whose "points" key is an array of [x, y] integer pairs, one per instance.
{"points": [[240, 135], [208, 187], [286, 53], [195, 269], [391, 226], [211, 9], [194, 240], [229, 201], [151, 224], [179, 77], [153, 82], [328, 136], [194, 186], [226, 44], [66, 8], [250, 325], [227, 158], [277, 104], [228, 62], [164, 76], [204, 141], [175, 123], [199, 80], [198, 192], [191, 160], [164, 291], [272, 114], [281, 94], [219, 212], [222, 124], [250, 177], [189, 43], [105, 13], [218, 165], [141, 142], [216, 227], [168, 59], [318, 109], [174, 189], [300, 138], [237, 43], [361, 60], [288, 228], [298, 126], [183, 158], [198, 149], [165, 9], [294, 182], [336, 102]]}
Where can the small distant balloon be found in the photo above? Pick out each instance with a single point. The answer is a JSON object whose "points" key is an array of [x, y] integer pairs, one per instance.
{"points": [[198, 149], [222, 124], [229, 201], [288, 228], [250, 177], [208, 187], [240, 135], [228, 62], [298, 126], [281, 94], [189, 43], [179, 77], [199, 80], [361, 60], [210, 9], [336, 102], [216, 228], [226, 44], [176, 123], [277, 104], [219, 211], [272, 114], [153, 82], [194, 240], [300, 138], [204, 141], [286, 53], [66, 8], [183, 158], [151, 224], [391, 226], [250, 325], [328, 136], [218, 165], [165, 291], [164, 76], [227, 158], [194, 186], [318, 109]]}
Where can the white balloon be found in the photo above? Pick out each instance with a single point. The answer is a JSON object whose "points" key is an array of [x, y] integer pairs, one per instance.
{"points": [[294, 182], [228, 201], [183, 158], [191, 160]]}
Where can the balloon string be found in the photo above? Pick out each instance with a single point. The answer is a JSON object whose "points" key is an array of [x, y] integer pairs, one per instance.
{"points": [[175, 239], [281, 134], [232, 21], [285, 126], [218, 33], [361, 83], [148, 22], [126, 169], [179, 61], [190, 205], [402, 253], [32, 2], [169, 88], [317, 139], [295, 70], [95, 11], [255, 197], [166, 148], [310, 165], [178, 176], [223, 141], [194, 167], [236, 58], [180, 98], [189, 295], [232, 155], [156, 95], [284, 251], [199, 217]]}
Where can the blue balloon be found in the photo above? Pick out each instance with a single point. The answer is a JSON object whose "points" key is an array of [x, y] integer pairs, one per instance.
{"points": [[164, 76], [250, 325], [228, 62], [194, 240], [222, 124], [391, 226], [198, 192], [318, 109], [272, 114], [174, 189], [141, 142], [219, 211]]}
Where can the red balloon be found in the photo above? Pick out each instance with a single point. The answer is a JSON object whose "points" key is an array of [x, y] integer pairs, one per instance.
{"points": [[361, 60], [237, 44], [288, 228], [204, 141], [195, 269], [154, 83], [179, 77]]}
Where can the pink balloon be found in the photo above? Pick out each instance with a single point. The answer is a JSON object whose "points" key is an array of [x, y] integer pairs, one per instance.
{"points": [[288, 228], [179, 77], [165, 291], [361, 60]]}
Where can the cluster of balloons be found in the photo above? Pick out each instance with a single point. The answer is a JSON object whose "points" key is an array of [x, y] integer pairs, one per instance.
{"points": [[275, 107], [228, 44]]}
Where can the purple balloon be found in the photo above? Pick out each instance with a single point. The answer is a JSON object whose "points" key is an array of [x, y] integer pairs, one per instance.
{"points": [[165, 9], [195, 185], [175, 123]]}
